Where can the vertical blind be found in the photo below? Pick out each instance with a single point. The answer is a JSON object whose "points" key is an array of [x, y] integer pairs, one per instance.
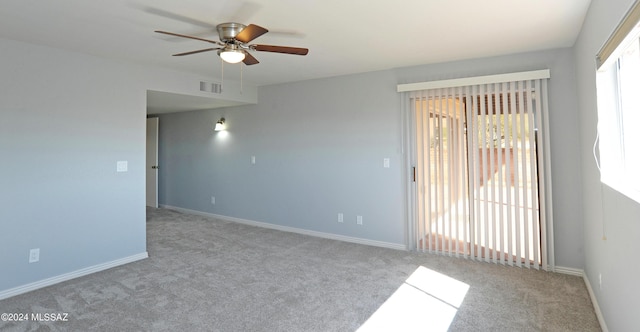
{"points": [[480, 171]]}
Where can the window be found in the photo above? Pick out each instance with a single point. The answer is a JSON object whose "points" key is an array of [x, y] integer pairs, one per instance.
{"points": [[618, 83]]}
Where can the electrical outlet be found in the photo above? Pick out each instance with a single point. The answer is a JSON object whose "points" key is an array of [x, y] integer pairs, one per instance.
{"points": [[34, 255], [340, 217], [122, 166], [359, 220], [213, 200]]}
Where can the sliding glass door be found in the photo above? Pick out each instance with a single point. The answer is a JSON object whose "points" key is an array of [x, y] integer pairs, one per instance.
{"points": [[477, 172]]}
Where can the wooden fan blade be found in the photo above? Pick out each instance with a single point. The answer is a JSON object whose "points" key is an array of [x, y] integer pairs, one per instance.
{"points": [[250, 33], [249, 59], [198, 51], [185, 36], [281, 49]]}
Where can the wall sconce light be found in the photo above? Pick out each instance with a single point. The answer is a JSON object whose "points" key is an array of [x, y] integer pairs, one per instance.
{"points": [[220, 125]]}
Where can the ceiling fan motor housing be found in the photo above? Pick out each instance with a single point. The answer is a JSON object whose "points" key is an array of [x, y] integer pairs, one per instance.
{"points": [[229, 31]]}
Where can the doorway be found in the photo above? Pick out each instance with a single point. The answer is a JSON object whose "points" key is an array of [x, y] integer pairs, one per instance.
{"points": [[478, 172], [151, 168]]}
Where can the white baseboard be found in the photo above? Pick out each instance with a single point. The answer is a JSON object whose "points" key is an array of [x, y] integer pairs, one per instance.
{"points": [[71, 275], [596, 307], [302, 231], [569, 271], [592, 295]]}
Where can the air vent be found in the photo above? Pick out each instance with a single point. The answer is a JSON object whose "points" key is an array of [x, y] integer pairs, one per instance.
{"points": [[216, 88], [210, 87]]}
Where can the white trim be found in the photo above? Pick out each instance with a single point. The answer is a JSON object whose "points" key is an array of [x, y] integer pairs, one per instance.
{"points": [[596, 307], [592, 295], [548, 178], [408, 143], [456, 82], [71, 275], [389, 245], [569, 270]]}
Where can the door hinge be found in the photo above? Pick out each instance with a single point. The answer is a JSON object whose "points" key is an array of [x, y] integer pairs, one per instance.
{"points": [[414, 174]]}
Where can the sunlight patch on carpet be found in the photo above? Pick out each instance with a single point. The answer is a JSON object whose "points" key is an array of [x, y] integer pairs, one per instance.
{"points": [[427, 300]]}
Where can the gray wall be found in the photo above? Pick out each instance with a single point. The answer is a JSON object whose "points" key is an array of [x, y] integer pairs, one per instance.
{"points": [[320, 144], [605, 210], [319, 148], [65, 120]]}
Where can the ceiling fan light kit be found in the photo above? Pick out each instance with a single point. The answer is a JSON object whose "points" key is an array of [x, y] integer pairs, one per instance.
{"points": [[231, 54]]}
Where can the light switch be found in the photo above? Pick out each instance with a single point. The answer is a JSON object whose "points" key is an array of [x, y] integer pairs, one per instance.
{"points": [[122, 166], [253, 160], [386, 163]]}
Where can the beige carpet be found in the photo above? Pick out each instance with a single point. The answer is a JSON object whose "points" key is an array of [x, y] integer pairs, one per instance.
{"points": [[212, 275]]}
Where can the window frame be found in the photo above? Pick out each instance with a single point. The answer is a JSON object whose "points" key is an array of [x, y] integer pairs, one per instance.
{"points": [[617, 154]]}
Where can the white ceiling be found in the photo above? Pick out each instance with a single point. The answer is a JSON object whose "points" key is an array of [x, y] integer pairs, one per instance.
{"points": [[343, 36]]}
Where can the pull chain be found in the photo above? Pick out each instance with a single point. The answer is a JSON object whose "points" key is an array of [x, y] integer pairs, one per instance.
{"points": [[221, 75], [241, 65]]}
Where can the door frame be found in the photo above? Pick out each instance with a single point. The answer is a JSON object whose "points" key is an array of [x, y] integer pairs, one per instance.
{"points": [[151, 168]]}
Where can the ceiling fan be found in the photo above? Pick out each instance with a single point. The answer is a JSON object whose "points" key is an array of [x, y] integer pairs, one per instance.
{"points": [[233, 44]]}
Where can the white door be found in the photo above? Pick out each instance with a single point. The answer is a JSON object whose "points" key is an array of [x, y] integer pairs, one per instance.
{"points": [[152, 162]]}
